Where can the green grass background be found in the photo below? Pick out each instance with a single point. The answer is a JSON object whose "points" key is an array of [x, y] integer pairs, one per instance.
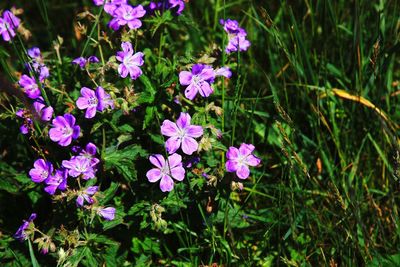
{"points": [[328, 190]]}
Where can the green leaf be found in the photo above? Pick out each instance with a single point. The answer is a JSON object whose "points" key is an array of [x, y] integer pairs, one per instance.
{"points": [[123, 160], [32, 254]]}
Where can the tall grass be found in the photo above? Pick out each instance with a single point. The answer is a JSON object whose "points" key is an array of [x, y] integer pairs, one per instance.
{"points": [[317, 94]]}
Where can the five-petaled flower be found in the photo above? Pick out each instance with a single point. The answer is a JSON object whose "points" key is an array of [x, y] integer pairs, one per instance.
{"points": [[181, 133], [127, 15], [166, 170], [198, 80], [64, 130], [92, 101], [41, 171], [240, 159], [130, 62], [22, 232]]}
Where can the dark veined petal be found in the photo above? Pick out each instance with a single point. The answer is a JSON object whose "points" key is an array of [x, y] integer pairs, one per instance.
{"points": [[157, 160], [174, 160]]}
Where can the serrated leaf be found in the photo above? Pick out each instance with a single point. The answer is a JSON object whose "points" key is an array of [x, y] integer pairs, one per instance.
{"points": [[123, 160]]}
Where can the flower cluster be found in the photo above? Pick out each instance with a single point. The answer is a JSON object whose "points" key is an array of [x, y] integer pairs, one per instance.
{"points": [[43, 172], [199, 80], [184, 140], [8, 24], [236, 36], [84, 164], [37, 64], [83, 62]]}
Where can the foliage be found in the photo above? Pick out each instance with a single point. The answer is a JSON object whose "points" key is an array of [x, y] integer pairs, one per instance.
{"points": [[316, 93]]}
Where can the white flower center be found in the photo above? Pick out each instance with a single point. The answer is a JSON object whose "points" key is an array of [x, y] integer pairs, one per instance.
{"points": [[44, 174], [128, 61], [67, 130], [92, 101]]}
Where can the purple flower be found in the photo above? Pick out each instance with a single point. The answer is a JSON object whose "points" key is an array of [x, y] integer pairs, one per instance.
{"points": [[240, 159], [86, 195], [181, 133], [224, 71], [34, 53], [41, 171], [43, 112], [110, 5], [30, 87], [37, 64], [127, 15], [198, 80], [56, 181], [130, 62], [230, 26], [92, 101], [8, 23], [238, 42], [93, 59], [24, 129], [79, 165], [107, 213], [90, 152], [180, 4], [21, 233], [236, 35], [166, 171], [81, 61], [64, 130]]}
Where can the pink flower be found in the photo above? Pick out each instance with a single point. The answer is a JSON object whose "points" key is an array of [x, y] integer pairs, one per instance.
{"points": [[198, 80], [94, 101], [130, 62], [127, 15], [240, 159], [64, 130], [107, 213], [8, 24], [166, 171], [181, 133]]}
